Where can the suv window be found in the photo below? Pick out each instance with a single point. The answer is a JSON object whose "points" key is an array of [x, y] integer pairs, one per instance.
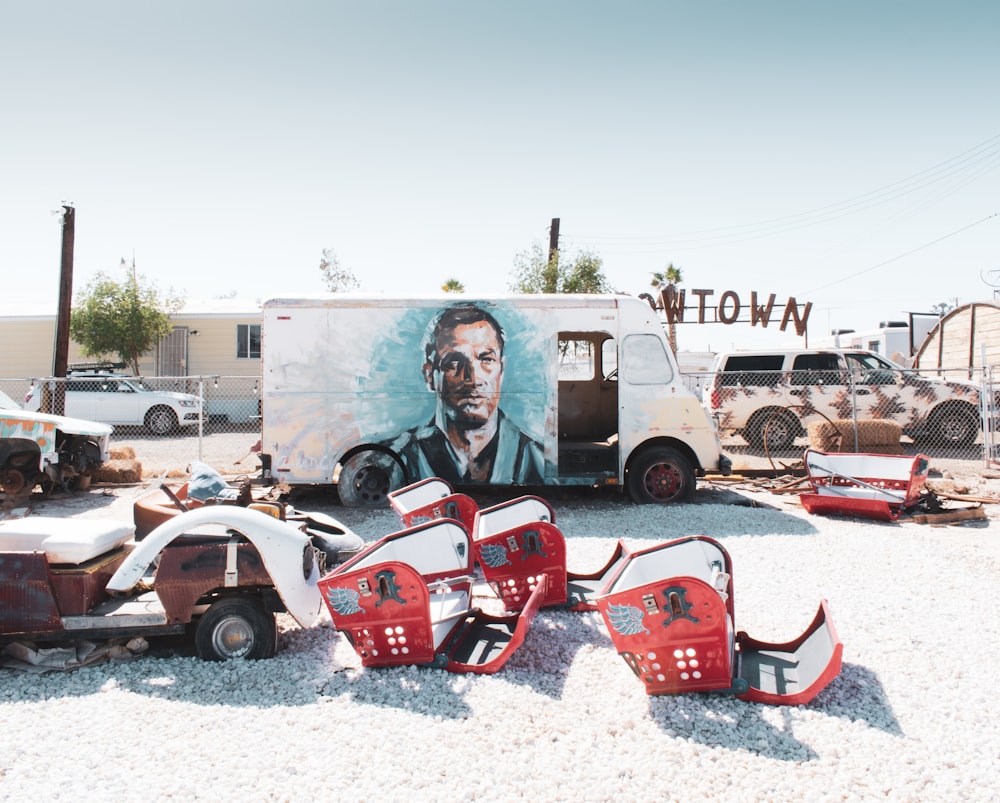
{"points": [[817, 369], [758, 370], [870, 370]]}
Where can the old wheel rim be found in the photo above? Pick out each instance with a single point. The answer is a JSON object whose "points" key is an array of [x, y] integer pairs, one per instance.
{"points": [[233, 638], [12, 482], [663, 481]]}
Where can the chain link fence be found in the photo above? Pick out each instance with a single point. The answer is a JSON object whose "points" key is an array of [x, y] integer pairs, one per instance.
{"points": [[168, 421], [765, 417], [769, 417]]}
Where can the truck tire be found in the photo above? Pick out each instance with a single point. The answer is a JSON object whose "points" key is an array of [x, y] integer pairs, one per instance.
{"points": [[236, 627], [367, 477], [161, 420], [660, 475]]}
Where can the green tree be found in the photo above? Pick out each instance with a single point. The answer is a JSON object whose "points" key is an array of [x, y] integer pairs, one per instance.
{"points": [[337, 278], [668, 280], [535, 272], [453, 286], [126, 318]]}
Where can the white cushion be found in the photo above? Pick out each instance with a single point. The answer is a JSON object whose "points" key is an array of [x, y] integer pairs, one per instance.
{"points": [[64, 540]]}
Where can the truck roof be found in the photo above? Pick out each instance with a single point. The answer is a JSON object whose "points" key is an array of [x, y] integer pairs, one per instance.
{"points": [[438, 299]]}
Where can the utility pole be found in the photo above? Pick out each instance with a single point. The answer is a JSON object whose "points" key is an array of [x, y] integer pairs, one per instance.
{"points": [[60, 359], [552, 268]]}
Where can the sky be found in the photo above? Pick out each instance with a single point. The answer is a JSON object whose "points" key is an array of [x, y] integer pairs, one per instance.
{"points": [[843, 154]]}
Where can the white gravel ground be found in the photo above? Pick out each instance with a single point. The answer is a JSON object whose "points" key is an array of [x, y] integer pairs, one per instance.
{"points": [[911, 717]]}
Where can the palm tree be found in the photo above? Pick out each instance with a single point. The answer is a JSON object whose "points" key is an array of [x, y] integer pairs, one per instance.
{"points": [[669, 278], [453, 286]]}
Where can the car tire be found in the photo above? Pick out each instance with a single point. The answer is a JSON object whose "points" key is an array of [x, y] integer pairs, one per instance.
{"points": [[367, 477], [955, 425], [13, 481], [161, 420], [236, 628], [660, 475]]}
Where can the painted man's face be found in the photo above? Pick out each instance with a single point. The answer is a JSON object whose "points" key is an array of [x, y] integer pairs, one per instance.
{"points": [[469, 373]]}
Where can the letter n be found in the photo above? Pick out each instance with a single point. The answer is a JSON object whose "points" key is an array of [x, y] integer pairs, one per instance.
{"points": [[792, 311]]}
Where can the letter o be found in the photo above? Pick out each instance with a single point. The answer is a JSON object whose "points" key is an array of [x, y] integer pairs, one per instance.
{"points": [[727, 296]]}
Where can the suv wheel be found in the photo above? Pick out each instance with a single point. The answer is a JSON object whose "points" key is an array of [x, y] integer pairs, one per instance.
{"points": [[161, 420], [955, 426], [773, 429]]}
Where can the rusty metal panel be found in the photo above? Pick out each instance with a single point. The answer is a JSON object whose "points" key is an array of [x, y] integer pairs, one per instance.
{"points": [[79, 588], [192, 567], [26, 601]]}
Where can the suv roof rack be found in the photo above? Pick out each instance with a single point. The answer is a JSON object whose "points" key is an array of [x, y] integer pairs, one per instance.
{"points": [[94, 366]]}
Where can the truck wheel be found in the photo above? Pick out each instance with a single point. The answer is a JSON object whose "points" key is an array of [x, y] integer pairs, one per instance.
{"points": [[161, 420], [660, 475], [955, 426], [236, 627], [367, 477]]}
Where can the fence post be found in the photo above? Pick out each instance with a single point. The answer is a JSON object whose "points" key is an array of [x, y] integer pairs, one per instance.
{"points": [[201, 417], [854, 406]]}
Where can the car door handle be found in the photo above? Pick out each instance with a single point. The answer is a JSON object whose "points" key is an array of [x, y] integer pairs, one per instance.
{"points": [[862, 391], [796, 392]]}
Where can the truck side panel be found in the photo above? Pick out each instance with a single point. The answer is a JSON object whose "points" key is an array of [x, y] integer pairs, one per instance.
{"points": [[336, 377]]}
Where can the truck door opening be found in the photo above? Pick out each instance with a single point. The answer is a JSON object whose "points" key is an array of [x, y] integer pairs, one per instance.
{"points": [[588, 403]]}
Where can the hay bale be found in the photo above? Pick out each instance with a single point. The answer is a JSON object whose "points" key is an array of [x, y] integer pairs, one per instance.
{"points": [[121, 453], [118, 472], [875, 436]]}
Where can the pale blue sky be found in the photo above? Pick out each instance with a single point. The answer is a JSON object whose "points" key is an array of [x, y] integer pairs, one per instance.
{"points": [[845, 153]]}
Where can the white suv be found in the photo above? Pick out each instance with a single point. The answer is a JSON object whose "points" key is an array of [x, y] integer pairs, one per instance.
{"points": [[782, 392], [123, 400]]}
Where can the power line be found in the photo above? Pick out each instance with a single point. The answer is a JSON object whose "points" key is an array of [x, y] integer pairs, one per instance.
{"points": [[901, 256], [963, 168]]}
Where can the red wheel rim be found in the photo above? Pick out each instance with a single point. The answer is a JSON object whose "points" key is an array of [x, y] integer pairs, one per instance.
{"points": [[663, 481]]}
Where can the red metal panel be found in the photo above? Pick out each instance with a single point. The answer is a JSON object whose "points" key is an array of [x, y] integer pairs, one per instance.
{"points": [[384, 610], [675, 634], [796, 671], [514, 561]]}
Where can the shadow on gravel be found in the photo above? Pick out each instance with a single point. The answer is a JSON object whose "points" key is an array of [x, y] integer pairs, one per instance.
{"points": [[857, 694], [719, 721], [716, 720]]}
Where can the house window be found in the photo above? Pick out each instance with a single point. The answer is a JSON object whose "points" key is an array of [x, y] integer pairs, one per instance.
{"points": [[248, 341]]}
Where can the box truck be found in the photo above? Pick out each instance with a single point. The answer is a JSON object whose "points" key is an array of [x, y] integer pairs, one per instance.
{"points": [[374, 393]]}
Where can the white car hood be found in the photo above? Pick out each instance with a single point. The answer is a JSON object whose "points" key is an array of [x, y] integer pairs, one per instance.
{"points": [[71, 426]]}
